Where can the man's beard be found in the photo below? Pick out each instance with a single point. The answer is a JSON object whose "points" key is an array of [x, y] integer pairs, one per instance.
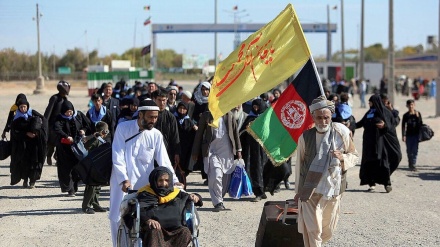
{"points": [[147, 126], [236, 113], [323, 127]]}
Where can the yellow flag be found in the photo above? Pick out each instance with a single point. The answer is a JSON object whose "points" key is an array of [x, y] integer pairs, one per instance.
{"points": [[264, 60]]}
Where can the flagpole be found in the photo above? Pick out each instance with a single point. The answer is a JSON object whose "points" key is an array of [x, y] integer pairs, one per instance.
{"points": [[134, 44], [317, 75]]}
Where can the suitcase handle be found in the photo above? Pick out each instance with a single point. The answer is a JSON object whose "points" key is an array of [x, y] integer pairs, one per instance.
{"points": [[287, 210]]}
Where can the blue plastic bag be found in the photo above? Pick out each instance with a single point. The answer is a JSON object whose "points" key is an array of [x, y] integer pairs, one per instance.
{"points": [[235, 187], [246, 184]]}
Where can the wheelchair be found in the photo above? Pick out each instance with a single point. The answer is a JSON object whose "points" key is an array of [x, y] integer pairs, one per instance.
{"points": [[129, 231]]}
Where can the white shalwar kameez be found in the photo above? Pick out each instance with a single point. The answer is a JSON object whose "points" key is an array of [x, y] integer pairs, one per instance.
{"points": [[133, 161], [318, 217], [219, 163]]}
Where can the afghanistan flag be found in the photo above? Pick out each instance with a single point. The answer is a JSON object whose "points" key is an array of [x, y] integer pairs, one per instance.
{"points": [[280, 126]]}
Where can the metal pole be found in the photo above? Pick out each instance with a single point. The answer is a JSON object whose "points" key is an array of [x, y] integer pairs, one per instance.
{"points": [[87, 52], [40, 78], [437, 96], [362, 59], [215, 35], [391, 54], [329, 48], [38, 38], [342, 42]]}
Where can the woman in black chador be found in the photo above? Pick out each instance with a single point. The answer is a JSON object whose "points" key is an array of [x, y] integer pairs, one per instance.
{"points": [[380, 147], [69, 126], [29, 143]]}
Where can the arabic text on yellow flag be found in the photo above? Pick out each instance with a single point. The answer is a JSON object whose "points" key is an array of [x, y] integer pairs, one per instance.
{"points": [[264, 60]]}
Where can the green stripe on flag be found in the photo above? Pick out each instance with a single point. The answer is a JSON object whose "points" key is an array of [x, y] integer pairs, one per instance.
{"points": [[278, 144]]}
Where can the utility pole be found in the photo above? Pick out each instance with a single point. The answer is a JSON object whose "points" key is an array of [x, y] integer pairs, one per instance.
{"points": [[329, 36], [361, 55], [87, 52], [53, 58], [40, 78], [437, 96], [215, 36], [390, 92], [342, 42]]}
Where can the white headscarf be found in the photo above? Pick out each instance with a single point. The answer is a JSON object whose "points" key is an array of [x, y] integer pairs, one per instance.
{"points": [[198, 96]]}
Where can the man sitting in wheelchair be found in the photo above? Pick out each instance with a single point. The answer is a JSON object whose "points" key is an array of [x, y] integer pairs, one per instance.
{"points": [[162, 209]]}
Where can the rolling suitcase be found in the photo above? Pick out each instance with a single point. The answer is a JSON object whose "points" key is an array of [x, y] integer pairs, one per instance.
{"points": [[278, 226]]}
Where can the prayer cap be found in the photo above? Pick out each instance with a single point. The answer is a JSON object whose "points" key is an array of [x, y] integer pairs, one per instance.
{"points": [[148, 105], [187, 94], [320, 103]]}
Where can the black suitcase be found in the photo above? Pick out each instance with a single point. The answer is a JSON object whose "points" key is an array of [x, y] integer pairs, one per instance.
{"points": [[278, 227], [96, 168]]}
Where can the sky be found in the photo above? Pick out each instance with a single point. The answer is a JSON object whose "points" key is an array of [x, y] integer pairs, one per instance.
{"points": [[117, 25]]}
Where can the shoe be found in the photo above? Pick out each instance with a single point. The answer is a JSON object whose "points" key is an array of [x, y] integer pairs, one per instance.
{"points": [[31, 185], [49, 161], [413, 169], [388, 188], [372, 188], [257, 199], [277, 190], [71, 193], [25, 183], [89, 211], [100, 209], [219, 207], [263, 196], [287, 185]]}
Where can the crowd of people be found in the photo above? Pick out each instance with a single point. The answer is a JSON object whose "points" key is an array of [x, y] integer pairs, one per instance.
{"points": [[152, 126]]}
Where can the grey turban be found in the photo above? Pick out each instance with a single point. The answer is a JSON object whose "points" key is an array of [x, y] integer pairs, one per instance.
{"points": [[320, 103]]}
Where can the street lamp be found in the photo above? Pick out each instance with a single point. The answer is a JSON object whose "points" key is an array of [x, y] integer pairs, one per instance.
{"points": [[40, 78], [329, 34]]}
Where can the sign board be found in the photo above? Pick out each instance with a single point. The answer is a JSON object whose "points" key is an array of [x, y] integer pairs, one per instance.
{"points": [[64, 71], [194, 61], [121, 65]]}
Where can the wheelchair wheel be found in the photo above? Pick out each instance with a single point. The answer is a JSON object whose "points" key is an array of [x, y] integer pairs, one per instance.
{"points": [[123, 238]]}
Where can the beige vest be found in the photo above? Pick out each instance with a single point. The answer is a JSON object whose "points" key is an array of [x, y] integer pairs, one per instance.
{"points": [[309, 154]]}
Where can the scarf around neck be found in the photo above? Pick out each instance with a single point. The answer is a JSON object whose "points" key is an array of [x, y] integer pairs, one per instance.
{"points": [[26, 115], [96, 116], [69, 118], [161, 199], [324, 175]]}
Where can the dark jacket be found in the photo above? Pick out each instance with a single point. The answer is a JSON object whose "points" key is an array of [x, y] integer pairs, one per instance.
{"points": [[113, 107], [167, 125], [170, 214]]}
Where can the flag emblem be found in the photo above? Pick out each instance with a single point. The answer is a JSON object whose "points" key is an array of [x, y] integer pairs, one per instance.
{"points": [[293, 114]]}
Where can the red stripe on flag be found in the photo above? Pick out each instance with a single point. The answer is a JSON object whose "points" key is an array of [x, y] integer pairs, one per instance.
{"points": [[293, 112]]}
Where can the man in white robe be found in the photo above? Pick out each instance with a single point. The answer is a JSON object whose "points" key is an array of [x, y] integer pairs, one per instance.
{"points": [[325, 152], [218, 146], [134, 153]]}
